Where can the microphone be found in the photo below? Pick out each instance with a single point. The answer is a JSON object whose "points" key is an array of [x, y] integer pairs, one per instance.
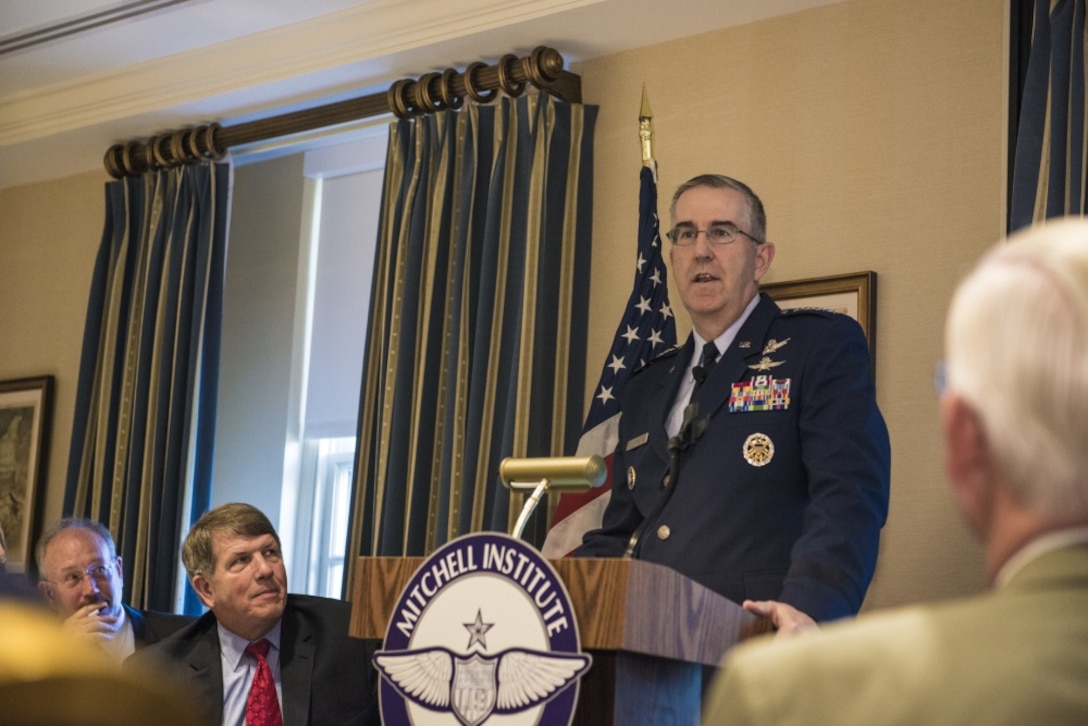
{"points": [[699, 374], [690, 431]]}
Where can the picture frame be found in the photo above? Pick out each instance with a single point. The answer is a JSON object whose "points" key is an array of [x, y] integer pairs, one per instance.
{"points": [[25, 419], [852, 293]]}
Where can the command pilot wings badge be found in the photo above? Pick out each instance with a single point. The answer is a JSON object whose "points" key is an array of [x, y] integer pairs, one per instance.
{"points": [[521, 664], [765, 364]]}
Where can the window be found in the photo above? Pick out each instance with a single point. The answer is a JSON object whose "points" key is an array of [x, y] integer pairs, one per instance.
{"points": [[333, 464], [300, 260]]}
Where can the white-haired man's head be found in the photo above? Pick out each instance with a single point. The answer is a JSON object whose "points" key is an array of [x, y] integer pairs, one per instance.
{"points": [[1016, 349]]}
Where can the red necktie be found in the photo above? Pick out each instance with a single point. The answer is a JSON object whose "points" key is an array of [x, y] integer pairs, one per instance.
{"points": [[262, 706]]}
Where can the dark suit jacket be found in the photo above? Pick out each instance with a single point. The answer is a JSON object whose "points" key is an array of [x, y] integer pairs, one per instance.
{"points": [[151, 626], [804, 527], [326, 675]]}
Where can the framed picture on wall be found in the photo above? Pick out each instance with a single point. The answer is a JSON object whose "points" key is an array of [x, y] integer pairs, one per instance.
{"points": [[853, 294], [24, 441]]}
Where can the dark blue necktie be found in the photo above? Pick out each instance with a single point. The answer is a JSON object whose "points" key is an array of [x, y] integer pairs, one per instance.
{"points": [[706, 363]]}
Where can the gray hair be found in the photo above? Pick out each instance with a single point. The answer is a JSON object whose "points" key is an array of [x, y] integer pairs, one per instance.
{"points": [[239, 519], [72, 523], [757, 218], [1016, 346]]}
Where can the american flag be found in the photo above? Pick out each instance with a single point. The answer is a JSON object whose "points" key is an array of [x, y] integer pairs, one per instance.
{"points": [[647, 329]]}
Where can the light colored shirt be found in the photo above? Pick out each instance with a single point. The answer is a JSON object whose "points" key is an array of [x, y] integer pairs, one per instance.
{"points": [[722, 343], [1037, 548], [123, 642], [239, 669]]}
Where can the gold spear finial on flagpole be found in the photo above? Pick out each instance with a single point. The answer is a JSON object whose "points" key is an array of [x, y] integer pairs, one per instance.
{"points": [[646, 129]]}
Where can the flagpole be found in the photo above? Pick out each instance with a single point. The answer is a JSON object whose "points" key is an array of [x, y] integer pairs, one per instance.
{"points": [[646, 129], [646, 329]]}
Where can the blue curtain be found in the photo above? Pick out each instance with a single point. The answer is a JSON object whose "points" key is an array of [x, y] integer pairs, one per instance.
{"points": [[1049, 164], [476, 341], [141, 450]]}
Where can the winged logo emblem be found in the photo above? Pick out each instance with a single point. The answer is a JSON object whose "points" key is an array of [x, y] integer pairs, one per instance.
{"points": [[476, 686]]}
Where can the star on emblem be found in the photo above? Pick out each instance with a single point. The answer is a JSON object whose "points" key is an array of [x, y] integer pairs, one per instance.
{"points": [[477, 630]]}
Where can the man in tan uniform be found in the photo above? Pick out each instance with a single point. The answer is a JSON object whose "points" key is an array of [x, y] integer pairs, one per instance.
{"points": [[1014, 415]]}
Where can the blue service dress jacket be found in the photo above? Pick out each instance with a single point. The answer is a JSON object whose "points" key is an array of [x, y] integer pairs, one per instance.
{"points": [[326, 676], [783, 494]]}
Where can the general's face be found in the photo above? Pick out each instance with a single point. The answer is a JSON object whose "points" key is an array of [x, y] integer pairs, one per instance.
{"points": [[78, 571], [715, 281], [248, 590]]}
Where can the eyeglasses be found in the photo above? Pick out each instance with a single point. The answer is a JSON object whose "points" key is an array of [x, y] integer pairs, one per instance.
{"points": [[99, 572], [683, 235]]}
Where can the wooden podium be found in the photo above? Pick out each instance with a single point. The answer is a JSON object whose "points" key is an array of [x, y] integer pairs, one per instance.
{"points": [[649, 629]]}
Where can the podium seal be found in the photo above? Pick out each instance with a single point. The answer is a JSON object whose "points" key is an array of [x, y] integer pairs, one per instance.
{"points": [[484, 629]]}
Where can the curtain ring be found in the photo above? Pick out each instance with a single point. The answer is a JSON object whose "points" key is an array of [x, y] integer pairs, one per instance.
{"points": [[112, 160], [160, 157], [192, 145], [470, 84], [149, 155], [211, 149], [445, 90], [506, 81], [128, 161], [177, 148], [422, 94], [395, 97]]}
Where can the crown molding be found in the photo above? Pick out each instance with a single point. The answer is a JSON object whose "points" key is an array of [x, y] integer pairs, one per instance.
{"points": [[326, 48]]}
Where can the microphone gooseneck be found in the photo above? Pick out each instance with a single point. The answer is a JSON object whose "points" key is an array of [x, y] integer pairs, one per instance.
{"points": [[690, 431]]}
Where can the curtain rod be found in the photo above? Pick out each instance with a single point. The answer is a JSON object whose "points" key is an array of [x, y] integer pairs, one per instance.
{"points": [[429, 93]]}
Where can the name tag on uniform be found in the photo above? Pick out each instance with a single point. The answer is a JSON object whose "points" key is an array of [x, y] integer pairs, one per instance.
{"points": [[761, 393], [637, 441]]}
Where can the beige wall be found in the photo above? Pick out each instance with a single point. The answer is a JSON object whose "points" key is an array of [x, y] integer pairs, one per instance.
{"points": [[49, 236], [874, 132]]}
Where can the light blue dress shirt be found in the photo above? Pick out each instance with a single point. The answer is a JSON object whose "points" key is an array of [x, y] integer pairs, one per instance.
{"points": [[239, 669]]}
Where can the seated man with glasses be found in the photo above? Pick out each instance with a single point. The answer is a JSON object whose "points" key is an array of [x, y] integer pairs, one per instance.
{"points": [[81, 579]]}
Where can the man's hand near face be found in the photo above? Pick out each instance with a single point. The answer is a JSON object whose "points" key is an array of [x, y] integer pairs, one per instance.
{"points": [[89, 623]]}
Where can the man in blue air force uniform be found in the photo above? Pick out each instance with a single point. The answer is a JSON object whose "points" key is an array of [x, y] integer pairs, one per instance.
{"points": [[782, 483]]}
